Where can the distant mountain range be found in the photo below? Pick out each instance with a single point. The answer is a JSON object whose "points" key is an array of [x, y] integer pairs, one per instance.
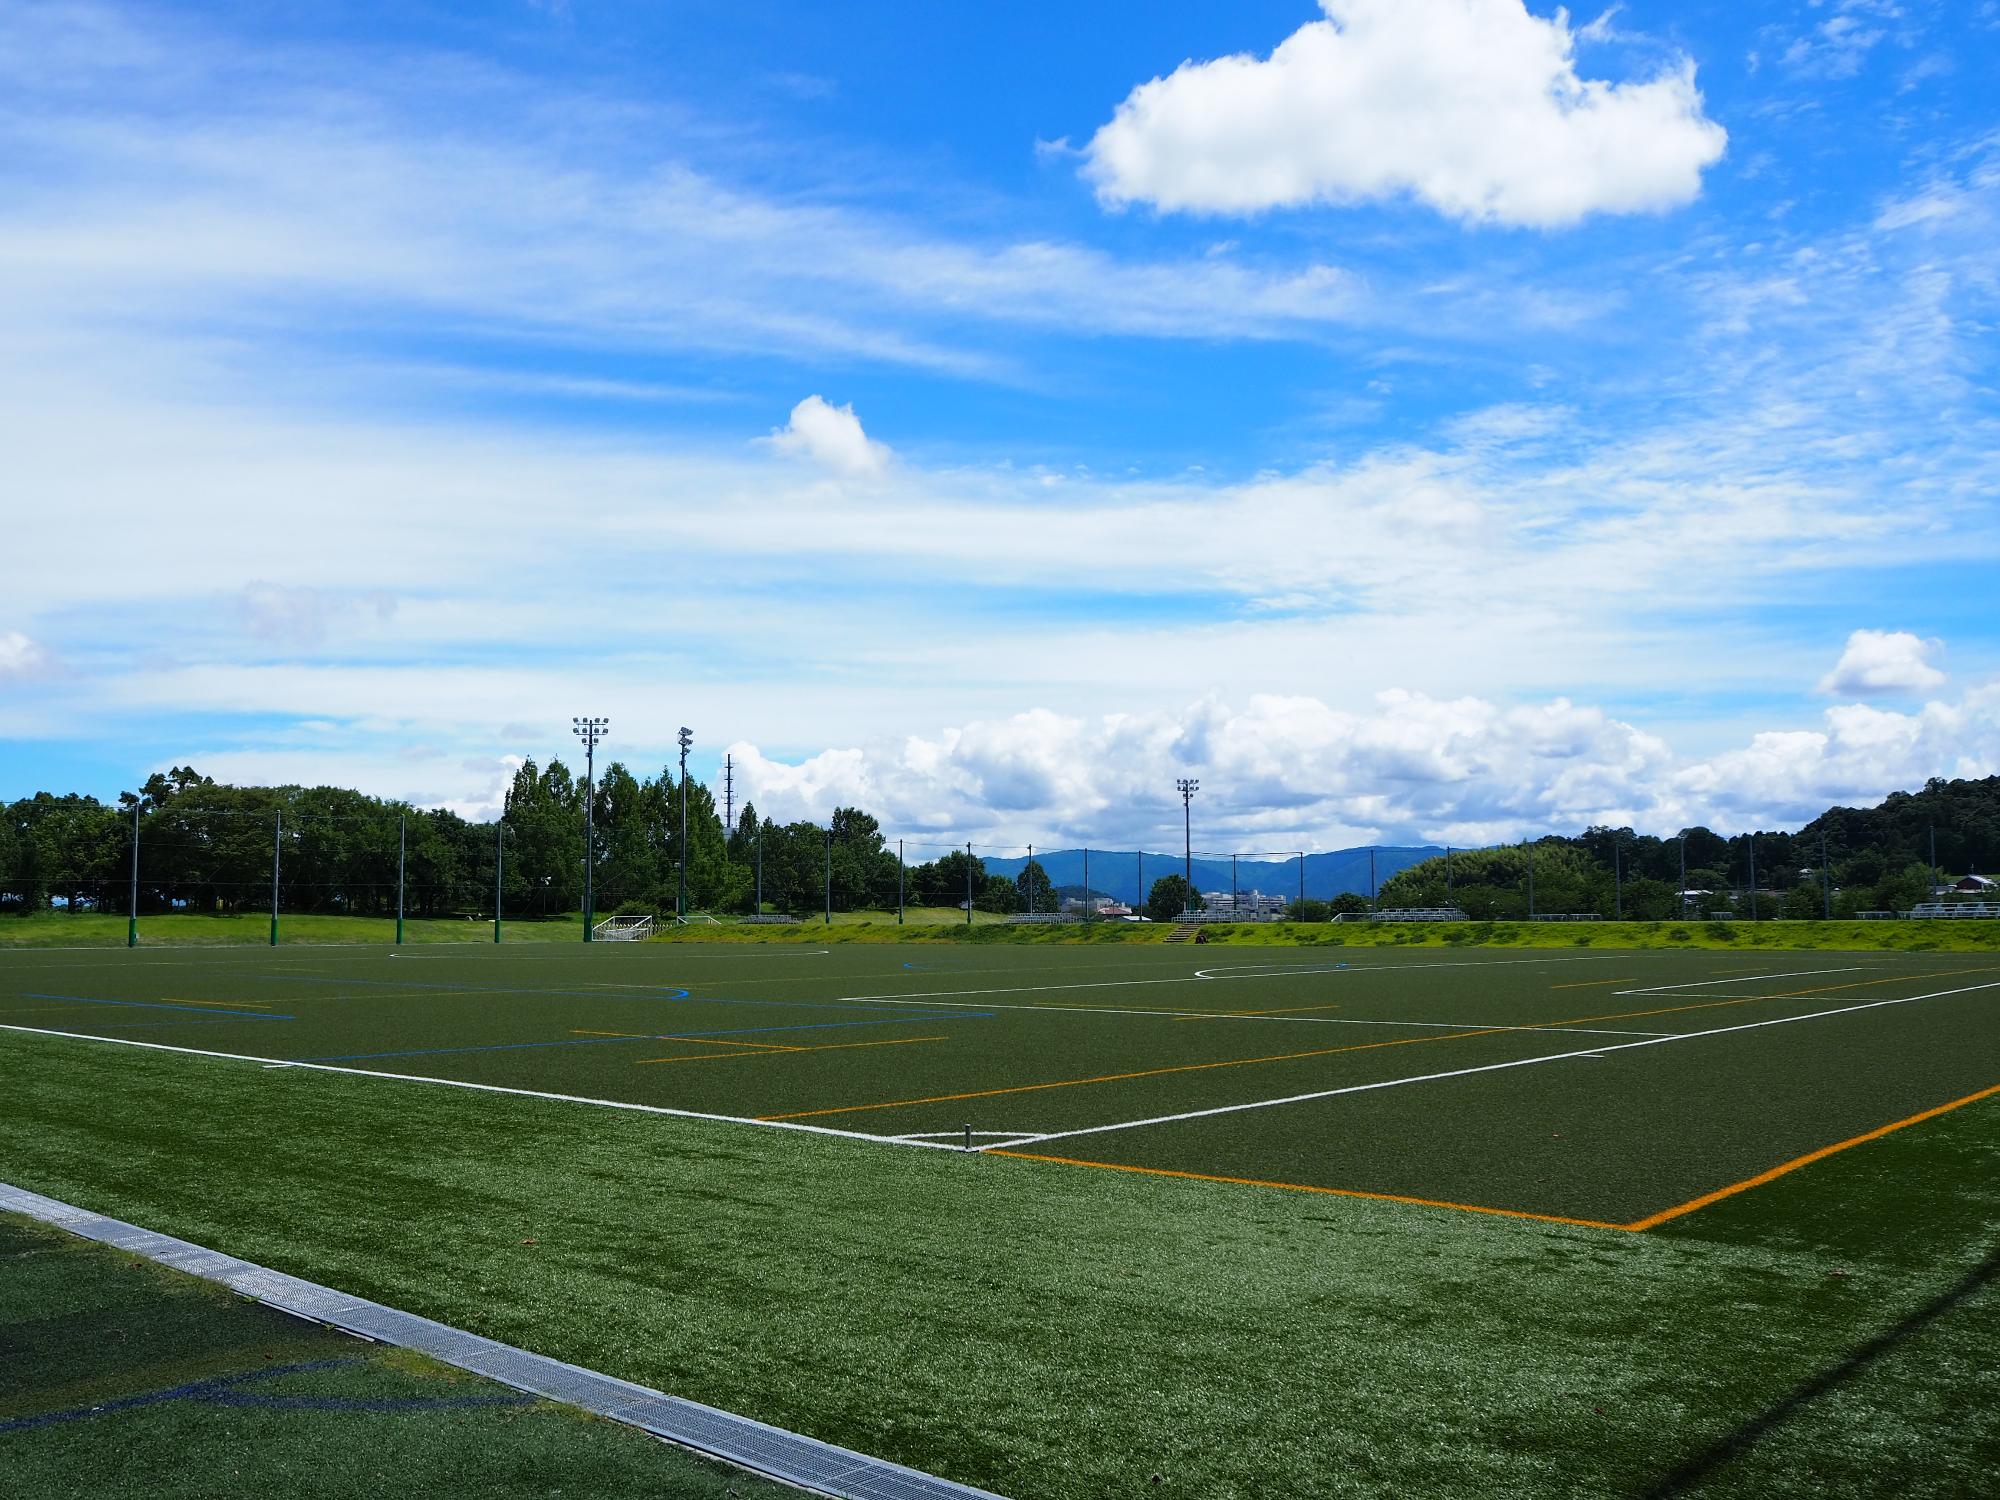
{"points": [[1117, 873]]}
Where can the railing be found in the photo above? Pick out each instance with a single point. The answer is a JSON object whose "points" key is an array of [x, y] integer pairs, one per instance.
{"points": [[1934, 910]]}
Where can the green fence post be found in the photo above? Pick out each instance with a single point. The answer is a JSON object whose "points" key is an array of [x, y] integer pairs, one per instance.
{"points": [[132, 912], [277, 851]]}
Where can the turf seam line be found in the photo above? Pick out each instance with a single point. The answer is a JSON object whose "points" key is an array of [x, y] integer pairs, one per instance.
{"points": [[790, 1457]]}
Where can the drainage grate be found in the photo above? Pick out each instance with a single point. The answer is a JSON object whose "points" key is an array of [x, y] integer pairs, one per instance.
{"points": [[788, 1456]]}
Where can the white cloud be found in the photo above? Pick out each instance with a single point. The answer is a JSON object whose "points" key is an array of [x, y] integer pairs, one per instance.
{"points": [[1472, 106], [831, 436], [1882, 662], [22, 658], [1279, 771]]}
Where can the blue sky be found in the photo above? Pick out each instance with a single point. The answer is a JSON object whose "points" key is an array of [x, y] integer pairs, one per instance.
{"points": [[1436, 419]]}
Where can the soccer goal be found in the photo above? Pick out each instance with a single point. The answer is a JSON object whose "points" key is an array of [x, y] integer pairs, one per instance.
{"points": [[625, 929]]}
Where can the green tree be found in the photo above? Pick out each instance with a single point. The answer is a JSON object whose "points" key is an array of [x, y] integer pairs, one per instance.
{"points": [[1171, 895], [1037, 891]]}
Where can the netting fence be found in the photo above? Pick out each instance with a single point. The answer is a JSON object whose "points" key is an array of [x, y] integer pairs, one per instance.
{"points": [[231, 851]]}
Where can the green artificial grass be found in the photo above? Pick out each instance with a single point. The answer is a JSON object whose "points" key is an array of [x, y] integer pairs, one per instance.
{"points": [[91, 1338], [1046, 1330], [1018, 1044]]}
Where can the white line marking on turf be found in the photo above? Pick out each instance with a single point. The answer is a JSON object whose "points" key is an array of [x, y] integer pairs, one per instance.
{"points": [[482, 1088], [1523, 1062], [1695, 984]]}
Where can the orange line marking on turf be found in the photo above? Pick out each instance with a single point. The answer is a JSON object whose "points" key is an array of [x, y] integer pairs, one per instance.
{"points": [[1286, 1010], [900, 1041], [1652, 1221], [1301, 1187], [1070, 1083]]}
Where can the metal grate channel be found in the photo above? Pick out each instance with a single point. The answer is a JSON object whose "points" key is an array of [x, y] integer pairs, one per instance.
{"points": [[789, 1456]]}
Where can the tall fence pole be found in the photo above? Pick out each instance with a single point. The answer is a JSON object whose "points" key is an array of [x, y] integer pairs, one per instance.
{"points": [[1371, 880], [1027, 882], [402, 865], [1302, 877], [277, 849], [760, 867], [1531, 881], [1684, 874], [1089, 905], [1753, 877], [899, 882], [1617, 883], [499, 868], [1932, 894], [132, 913], [968, 882], [829, 876], [1825, 880], [1139, 901], [1447, 875], [1233, 898]]}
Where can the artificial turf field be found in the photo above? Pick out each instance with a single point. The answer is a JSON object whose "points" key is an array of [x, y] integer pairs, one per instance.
{"points": [[1279, 1129]]}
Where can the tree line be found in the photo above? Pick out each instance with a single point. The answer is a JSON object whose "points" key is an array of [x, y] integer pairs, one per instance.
{"points": [[1845, 861], [206, 846]]}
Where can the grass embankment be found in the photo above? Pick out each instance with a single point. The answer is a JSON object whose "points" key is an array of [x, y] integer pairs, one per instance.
{"points": [[119, 1377], [1840, 937], [948, 925], [249, 929], [1052, 1332]]}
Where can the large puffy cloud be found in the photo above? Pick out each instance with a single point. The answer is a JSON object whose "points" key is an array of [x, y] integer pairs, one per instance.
{"points": [[1281, 772], [1472, 106], [1882, 662], [831, 436]]}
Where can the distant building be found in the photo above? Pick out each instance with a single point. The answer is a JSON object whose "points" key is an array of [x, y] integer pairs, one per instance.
{"points": [[1974, 885], [1246, 906]]}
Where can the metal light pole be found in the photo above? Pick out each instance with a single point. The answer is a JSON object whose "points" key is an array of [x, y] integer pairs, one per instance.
{"points": [[829, 875], [1027, 882], [1753, 877], [1089, 902], [760, 867], [681, 901], [968, 883], [1187, 788], [1934, 880], [1825, 880], [899, 882], [590, 731], [1684, 875], [1531, 881], [1371, 880], [1617, 882]]}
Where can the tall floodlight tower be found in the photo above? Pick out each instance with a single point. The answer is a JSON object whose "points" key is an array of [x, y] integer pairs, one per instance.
{"points": [[681, 902], [590, 731], [1187, 787]]}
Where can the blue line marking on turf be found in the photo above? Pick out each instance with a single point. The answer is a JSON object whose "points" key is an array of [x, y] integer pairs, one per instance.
{"points": [[665, 1036], [204, 1010], [223, 1390]]}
